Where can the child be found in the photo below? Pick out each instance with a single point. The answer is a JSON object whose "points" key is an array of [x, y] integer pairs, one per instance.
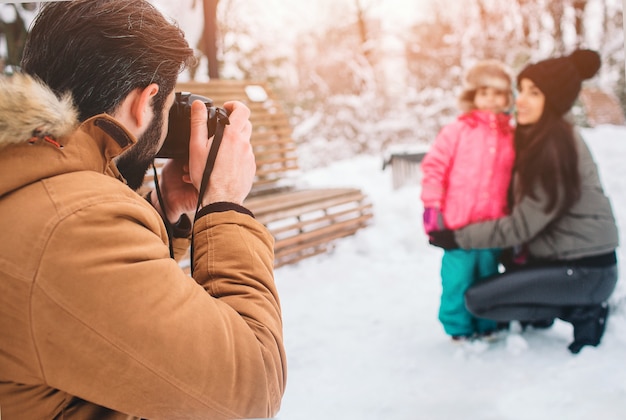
{"points": [[466, 175]]}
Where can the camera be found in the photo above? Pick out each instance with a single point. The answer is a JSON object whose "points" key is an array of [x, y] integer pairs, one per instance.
{"points": [[176, 144]]}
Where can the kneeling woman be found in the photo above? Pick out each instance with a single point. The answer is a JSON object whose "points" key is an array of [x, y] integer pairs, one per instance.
{"points": [[561, 226]]}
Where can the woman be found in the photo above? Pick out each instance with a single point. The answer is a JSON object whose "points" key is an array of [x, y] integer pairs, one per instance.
{"points": [[561, 227]]}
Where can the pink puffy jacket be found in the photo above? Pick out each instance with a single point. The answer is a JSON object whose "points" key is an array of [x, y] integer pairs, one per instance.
{"points": [[467, 170]]}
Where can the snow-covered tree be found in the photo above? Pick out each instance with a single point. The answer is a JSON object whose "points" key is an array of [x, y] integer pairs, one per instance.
{"points": [[15, 19]]}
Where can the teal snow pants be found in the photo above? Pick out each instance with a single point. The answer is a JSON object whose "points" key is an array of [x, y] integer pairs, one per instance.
{"points": [[460, 269]]}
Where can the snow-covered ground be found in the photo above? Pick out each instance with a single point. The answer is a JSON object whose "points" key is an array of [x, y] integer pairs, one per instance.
{"points": [[363, 340]]}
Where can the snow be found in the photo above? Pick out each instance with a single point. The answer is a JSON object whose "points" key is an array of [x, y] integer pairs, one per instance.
{"points": [[8, 13], [363, 340]]}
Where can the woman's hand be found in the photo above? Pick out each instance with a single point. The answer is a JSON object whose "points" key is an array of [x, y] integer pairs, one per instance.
{"points": [[443, 239]]}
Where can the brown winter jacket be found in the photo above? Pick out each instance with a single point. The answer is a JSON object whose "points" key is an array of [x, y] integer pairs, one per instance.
{"points": [[96, 320]]}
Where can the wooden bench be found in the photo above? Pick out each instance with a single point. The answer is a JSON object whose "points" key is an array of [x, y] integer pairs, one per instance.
{"points": [[304, 222], [601, 107]]}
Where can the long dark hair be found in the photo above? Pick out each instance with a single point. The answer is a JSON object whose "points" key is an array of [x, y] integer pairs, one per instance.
{"points": [[546, 155], [101, 50]]}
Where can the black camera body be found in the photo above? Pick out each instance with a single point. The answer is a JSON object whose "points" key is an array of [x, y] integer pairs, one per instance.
{"points": [[176, 144]]}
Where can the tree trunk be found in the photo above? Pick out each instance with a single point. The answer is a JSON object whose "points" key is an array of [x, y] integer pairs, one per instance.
{"points": [[556, 9], [15, 34], [579, 9], [525, 8], [362, 25], [209, 37]]}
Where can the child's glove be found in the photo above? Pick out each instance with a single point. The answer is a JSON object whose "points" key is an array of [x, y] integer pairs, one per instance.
{"points": [[433, 219]]}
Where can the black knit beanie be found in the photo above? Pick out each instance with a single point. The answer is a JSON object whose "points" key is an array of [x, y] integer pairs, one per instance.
{"points": [[560, 79]]}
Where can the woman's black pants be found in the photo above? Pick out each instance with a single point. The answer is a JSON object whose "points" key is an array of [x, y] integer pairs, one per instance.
{"points": [[574, 294]]}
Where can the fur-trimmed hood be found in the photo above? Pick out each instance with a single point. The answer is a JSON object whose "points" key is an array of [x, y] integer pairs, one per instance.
{"points": [[41, 137], [30, 108]]}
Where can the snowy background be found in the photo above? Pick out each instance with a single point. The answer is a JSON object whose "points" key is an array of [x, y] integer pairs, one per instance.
{"points": [[363, 340], [361, 330]]}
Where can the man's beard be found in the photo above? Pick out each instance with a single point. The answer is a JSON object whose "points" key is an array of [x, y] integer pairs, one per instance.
{"points": [[135, 162]]}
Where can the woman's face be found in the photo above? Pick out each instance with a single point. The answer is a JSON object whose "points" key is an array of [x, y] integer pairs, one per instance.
{"points": [[529, 103]]}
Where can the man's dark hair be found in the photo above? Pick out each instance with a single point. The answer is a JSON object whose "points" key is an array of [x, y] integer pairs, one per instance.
{"points": [[101, 50]]}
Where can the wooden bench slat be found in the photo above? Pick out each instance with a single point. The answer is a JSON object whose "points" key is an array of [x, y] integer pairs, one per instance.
{"points": [[278, 212], [294, 203], [309, 237], [301, 226], [288, 252], [273, 143], [263, 174], [283, 133], [279, 163], [296, 257], [279, 148]]}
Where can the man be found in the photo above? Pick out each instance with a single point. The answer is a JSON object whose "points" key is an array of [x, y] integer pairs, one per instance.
{"points": [[96, 320]]}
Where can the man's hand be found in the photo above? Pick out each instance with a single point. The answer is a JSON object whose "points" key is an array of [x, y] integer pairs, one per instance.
{"points": [[179, 194], [443, 239], [233, 172], [235, 166]]}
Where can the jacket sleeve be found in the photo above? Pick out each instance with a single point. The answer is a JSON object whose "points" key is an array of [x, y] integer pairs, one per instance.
{"points": [[527, 220], [436, 167], [118, 323]]}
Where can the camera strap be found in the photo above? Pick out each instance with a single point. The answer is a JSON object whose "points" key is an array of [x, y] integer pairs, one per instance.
{"points": [[221, 121], [210, 161], [168, 226]]}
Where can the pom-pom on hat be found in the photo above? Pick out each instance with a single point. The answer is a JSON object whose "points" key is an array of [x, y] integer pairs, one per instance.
{"points": [[560, 79], [486, 73]]}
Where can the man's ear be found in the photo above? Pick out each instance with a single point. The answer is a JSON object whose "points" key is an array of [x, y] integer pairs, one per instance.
{"points": [[135, 111], [141, 106]]}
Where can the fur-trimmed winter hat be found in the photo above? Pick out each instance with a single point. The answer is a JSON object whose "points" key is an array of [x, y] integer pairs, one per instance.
{"points": [[486, 73], [560, 79]]}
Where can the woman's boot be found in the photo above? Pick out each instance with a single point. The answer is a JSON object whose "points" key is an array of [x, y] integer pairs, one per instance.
{"points": [[589, 323]]}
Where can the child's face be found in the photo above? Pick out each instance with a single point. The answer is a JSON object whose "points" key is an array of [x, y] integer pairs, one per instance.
{"points": [[530, 102], [491, 99]]}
